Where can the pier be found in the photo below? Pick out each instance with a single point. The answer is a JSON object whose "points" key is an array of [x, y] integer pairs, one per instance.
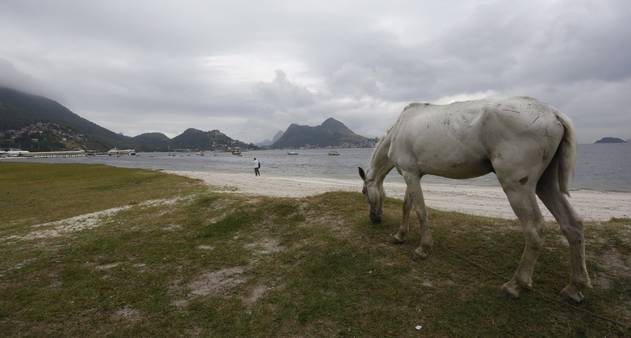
{"points": [[54, 154]]}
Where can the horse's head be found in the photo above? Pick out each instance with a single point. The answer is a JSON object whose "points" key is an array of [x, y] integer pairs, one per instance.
{"points": [[373, 191]]}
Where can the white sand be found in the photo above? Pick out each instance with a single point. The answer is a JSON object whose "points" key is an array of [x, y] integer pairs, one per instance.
{"points": [[476, 200]]}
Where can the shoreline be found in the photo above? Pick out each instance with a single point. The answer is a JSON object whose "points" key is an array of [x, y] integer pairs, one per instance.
{"points": [[486, 201]]}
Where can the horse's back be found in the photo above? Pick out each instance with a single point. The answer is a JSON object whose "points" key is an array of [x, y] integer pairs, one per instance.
{"points": [[441, 140], [460, 139], [518, 120]]}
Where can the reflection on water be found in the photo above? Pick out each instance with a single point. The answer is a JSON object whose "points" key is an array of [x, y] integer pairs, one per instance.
{"points": [[599, 166]]}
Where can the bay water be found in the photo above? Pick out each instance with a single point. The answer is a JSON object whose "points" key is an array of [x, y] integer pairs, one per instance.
{"points": [[602, 167]]}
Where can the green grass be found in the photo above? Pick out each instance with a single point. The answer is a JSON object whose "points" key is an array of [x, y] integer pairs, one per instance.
{"points": [[38, 192], [323, 268]]}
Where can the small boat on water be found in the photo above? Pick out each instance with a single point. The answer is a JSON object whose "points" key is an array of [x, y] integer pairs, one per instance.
{"points": [[235, 151], [334, 153], [292, 153]]}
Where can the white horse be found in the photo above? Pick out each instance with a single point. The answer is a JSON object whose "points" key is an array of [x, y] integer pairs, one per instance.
{"points": [[530, 146]]}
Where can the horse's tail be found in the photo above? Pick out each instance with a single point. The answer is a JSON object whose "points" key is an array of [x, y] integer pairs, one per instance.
{"points": [[566, 153]]}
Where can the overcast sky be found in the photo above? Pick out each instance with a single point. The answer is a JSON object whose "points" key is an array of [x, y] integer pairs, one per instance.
{"points": [[249, 68]]}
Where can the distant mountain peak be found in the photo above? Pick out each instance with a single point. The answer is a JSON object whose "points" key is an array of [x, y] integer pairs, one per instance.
{"points": [[192, 130], [331, 121], [153, 135], [335, 125], [331, 133]]}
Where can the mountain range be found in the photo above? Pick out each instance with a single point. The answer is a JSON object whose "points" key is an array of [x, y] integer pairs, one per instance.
{"points": [[37, 123], [331, 133]]}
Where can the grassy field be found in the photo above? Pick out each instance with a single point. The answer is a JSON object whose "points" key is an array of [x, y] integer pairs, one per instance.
{"points": [[210, 263]]}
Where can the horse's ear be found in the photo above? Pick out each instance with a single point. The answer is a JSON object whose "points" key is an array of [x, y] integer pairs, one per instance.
{"points": [[362, 174]]}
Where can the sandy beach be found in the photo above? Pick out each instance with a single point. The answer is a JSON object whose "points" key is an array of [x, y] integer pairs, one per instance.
{"points": [[475, 200]]}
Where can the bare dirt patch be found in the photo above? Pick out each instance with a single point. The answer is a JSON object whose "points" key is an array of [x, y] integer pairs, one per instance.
{"points": [[255, 294], [55, 281], [333, 223], [142, 267], [615, 263], [172, 227], [22, 264], [215, 284], [85, 221], [427, 282], [601, 281], [127, 313], [265, 246], [105, 267]]}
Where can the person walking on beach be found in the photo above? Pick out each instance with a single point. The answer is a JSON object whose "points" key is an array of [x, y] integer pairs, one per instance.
{"points": [[257, 165]]}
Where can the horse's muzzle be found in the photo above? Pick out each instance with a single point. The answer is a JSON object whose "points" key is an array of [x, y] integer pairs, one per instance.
{"points": [[375, 219]]}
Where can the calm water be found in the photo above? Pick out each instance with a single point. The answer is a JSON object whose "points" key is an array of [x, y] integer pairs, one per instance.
{"points": [[605, 167]]}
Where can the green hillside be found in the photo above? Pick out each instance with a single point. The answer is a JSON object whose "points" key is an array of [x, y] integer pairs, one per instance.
{"points": [[206, 140], [20, 114], [152, 142]]}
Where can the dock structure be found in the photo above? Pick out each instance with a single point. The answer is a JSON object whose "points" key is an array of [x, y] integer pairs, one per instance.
{"points": [[119, 152], [54, 154]]}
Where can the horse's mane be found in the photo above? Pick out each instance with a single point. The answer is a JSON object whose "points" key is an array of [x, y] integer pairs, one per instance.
{"points": [[379, 143], [415, 104]]}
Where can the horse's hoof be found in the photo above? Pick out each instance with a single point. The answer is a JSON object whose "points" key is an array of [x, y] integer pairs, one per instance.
{"points": [[396, 239], [524, 284], [420, 254], [583, 283], [572, 293], [510, 290]]}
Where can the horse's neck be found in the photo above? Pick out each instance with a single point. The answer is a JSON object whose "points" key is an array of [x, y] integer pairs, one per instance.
{"points": [[380, 164]]}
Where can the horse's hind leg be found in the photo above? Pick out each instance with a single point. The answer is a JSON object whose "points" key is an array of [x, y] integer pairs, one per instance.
{"points": [[426, 235], [518, 173], [524, 203], [571, 227]]}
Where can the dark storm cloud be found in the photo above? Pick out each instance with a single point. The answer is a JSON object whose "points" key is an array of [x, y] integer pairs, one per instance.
{"points": [[251, 68]]}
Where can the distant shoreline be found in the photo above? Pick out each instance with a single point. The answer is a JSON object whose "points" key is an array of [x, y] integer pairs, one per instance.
{"points": [[476, 200]]}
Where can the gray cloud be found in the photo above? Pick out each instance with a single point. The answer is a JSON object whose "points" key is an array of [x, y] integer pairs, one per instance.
{"points": [[250, 69]]}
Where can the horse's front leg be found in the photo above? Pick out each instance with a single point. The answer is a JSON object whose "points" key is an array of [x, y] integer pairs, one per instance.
{"points": [[408, 199], [414, 199]]}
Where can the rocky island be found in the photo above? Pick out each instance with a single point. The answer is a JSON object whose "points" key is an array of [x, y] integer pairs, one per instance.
{"points": [[611, 140]]}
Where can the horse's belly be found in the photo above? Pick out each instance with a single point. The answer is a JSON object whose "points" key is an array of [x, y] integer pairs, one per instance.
{"points": [[453, 155], [458, 170]]}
